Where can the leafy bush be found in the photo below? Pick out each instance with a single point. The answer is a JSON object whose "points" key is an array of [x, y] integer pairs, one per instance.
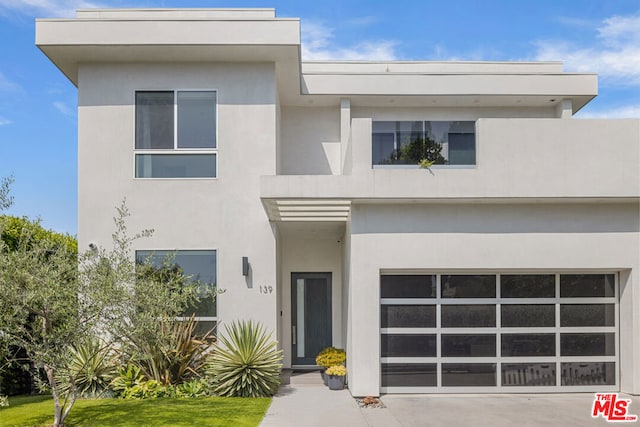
{"points": [[151, 389], [192, 388], [331, 356], [173, 355], [339, 371], [132, 384], [248, 365], [127, 378], [90, 370]]}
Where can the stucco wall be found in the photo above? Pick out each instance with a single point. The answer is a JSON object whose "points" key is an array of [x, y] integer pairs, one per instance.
{"points": [[223, 213], [493, 237], [310, 141]]}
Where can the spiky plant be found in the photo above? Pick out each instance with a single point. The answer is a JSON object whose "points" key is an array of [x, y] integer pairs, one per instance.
{"points": [[247, 364], [90, 370], [173, 355]]}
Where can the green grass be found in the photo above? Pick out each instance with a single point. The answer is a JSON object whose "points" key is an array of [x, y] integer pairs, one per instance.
{"points": [[205, 411]]}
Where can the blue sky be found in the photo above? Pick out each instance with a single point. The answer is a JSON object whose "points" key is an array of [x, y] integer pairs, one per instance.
{"points": [[38, 120]]}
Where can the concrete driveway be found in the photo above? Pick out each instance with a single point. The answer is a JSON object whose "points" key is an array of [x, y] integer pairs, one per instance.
{"points": [[497, 410], [303, 401]]}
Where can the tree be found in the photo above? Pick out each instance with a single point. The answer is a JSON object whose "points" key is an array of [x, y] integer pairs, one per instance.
{"points": [[6, 200], [41, 311], [54, 300], [420, 150]]}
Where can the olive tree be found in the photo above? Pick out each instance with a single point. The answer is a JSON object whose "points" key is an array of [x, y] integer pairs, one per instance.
{"points": [[54, 299]]}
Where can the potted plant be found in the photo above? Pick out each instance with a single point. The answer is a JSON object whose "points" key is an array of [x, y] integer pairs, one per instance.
{"points": [[336, 376], [328, 357]]}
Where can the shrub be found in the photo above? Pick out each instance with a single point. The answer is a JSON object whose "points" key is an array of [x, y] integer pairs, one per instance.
{"points": [[90, 370], [127, 378], [339, 371], [248, 364], [192, 388], [331, 356], [173, 355], [151, 389]]}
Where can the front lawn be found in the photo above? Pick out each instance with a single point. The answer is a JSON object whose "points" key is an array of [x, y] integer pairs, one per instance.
{"points": [[204, 411]]}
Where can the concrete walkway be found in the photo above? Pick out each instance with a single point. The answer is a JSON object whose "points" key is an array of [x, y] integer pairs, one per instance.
{"points": [[303, 401]]}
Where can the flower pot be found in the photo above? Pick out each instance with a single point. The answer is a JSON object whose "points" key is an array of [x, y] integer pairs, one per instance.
{"points": [[335, 382], [324, 376]]}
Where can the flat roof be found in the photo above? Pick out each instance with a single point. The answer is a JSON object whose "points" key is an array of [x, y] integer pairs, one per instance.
{"points": [[257, 35]]}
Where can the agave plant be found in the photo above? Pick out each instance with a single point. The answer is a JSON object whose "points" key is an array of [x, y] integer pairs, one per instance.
{"points": [[247, 364], [90, 370]]}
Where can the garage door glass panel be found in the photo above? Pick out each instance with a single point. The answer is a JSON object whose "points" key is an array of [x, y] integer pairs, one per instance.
{"points": [[528, 286], [525, 315], [587, 285], [587, 344], [408, 316], [517, 345], [468, 374], [456, 345], [468, 316], [588, 373], [528, 374], [405, 286], [409, 374], [587, 315], [408, 345], [468, 286]]}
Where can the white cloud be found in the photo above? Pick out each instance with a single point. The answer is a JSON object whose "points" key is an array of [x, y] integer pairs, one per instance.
{"points": [[317, 44], [47, 8], [7, 85], [4, 121], [614, 55], [625, 112], [64, 108]]}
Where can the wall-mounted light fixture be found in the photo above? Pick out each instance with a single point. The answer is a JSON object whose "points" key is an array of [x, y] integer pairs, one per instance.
{"points": [[245, 266]]}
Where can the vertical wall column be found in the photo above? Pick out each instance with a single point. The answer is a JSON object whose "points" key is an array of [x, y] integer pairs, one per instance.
{"points": [[629, 336], [345, 136], [564, 109]]}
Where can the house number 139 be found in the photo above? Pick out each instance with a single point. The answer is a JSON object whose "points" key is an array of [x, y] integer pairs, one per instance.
{"points": [[266, 289]]}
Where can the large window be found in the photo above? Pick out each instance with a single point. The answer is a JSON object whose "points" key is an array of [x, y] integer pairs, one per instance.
{"points": [[408, 143], [176, 134], [498, 332], [198, 265]]}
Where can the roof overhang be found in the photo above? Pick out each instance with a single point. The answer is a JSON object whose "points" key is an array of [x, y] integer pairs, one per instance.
{"points": [[136, 37], [256, 35]]}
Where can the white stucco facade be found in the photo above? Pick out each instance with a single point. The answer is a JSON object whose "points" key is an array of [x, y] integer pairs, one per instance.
{"points": [[296, 191]]}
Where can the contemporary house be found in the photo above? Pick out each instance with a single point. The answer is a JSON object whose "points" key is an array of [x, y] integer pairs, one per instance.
{"points": [[511, 264]]}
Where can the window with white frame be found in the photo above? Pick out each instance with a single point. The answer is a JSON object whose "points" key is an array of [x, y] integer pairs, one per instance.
{"points": [[176, 134], [198, 265]]}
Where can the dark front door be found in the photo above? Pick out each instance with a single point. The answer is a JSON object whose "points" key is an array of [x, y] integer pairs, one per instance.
{"points": [[310, 316]]}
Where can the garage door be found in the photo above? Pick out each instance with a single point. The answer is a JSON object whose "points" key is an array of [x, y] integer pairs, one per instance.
{"points": [[500, 332]]}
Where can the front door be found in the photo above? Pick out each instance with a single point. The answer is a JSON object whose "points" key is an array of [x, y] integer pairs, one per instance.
{"points": [[310, 316]]}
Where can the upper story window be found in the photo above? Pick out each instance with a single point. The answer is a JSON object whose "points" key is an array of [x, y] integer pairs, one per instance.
{"points": [[408, 143], [176, 134]]}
